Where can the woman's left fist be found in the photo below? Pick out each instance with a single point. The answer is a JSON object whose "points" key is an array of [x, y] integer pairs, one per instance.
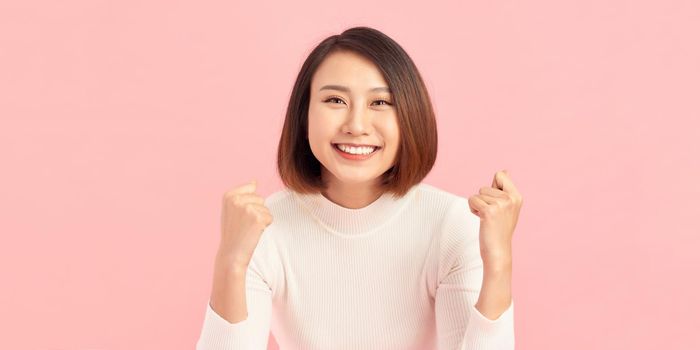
{"points": [[498, 207]]}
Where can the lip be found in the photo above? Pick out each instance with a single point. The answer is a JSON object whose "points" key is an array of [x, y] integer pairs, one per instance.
{"points": [[354, 144], [355, 156]]}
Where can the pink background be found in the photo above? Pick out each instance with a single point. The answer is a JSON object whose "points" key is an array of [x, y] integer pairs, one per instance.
{"points": [[123, 122]]}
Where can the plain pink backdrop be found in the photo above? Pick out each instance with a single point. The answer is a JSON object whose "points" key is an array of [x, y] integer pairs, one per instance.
{"points": [[123, 122]]}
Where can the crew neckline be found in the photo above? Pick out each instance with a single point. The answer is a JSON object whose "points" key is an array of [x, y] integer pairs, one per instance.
{"points": [[353, 222]]}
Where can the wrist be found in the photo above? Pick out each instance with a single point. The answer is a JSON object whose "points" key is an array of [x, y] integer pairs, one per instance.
{"points": [[502, 255], [500, 265], [230, 264]]}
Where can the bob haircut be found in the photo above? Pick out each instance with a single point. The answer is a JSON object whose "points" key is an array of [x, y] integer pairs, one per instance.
{"points": [[299, 169]]}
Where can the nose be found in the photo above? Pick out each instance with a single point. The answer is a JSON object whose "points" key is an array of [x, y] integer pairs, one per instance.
{"points": [[358, 122]]}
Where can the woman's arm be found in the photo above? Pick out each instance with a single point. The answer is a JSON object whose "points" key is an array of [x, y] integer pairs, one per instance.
{"points": [[467, 281], [498, 208], [495, 295], [228, 289], [238, 313]]}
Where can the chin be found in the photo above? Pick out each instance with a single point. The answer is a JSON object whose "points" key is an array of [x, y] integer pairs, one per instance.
{"points": [[355, 180]]}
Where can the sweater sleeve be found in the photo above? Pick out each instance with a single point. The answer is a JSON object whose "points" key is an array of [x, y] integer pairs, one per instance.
{"points": [[460, 326], [253, 332]]}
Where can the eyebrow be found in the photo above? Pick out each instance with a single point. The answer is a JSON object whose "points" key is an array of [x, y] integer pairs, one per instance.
{"points": [[346, 89]]}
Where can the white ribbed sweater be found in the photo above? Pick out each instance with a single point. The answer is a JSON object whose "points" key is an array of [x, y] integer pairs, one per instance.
{"points": [[400, 273]]}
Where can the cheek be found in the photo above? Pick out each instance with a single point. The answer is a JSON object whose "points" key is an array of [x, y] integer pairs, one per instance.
{"points": [[313, 123], [322, 123], [390, 130], [317, 130], [318, 133]]}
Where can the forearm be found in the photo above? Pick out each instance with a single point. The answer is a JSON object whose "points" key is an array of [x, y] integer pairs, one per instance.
{"points": [[228, 297], [495, 295]]}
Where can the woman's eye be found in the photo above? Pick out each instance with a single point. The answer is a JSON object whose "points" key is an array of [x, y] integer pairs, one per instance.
{"points": [[333, 99], [385, 102]]}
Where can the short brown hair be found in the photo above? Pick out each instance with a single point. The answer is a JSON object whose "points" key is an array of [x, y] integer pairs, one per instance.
{"points": [[298, 167]]}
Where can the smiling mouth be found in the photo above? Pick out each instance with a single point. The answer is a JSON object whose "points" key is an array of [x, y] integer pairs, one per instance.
{"points": [[376, 148]]}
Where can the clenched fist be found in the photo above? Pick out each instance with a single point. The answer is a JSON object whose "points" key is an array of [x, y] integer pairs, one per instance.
{"points": [[498, 207], [244, 217]]}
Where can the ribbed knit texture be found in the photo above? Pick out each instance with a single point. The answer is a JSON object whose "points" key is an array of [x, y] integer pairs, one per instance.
{"points": [[400, 273]]}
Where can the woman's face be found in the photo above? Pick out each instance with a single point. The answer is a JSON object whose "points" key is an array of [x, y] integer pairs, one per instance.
{"points": [[345, 108]]}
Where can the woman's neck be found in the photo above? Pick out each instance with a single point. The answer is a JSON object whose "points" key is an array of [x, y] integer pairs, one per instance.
{"points": [[351, 196]]}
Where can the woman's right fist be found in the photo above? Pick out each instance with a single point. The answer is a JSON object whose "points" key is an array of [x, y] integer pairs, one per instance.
{"points": [[243, 219]]}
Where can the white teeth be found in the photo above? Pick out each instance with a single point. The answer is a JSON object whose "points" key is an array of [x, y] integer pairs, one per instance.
{"points": [[356, 150]]}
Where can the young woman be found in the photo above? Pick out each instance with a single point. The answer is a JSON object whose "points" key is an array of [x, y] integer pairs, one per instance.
{"points": [[361, 254]]}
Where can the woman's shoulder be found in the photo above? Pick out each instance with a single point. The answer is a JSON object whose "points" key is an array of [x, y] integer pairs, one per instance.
{"points": [[452, 208], [282, 203], [433, 195], [278, 197]]}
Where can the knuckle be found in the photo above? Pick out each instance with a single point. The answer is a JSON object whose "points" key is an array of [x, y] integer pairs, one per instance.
{"points": [[490, 210], [231, 191], [250, 210]]}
